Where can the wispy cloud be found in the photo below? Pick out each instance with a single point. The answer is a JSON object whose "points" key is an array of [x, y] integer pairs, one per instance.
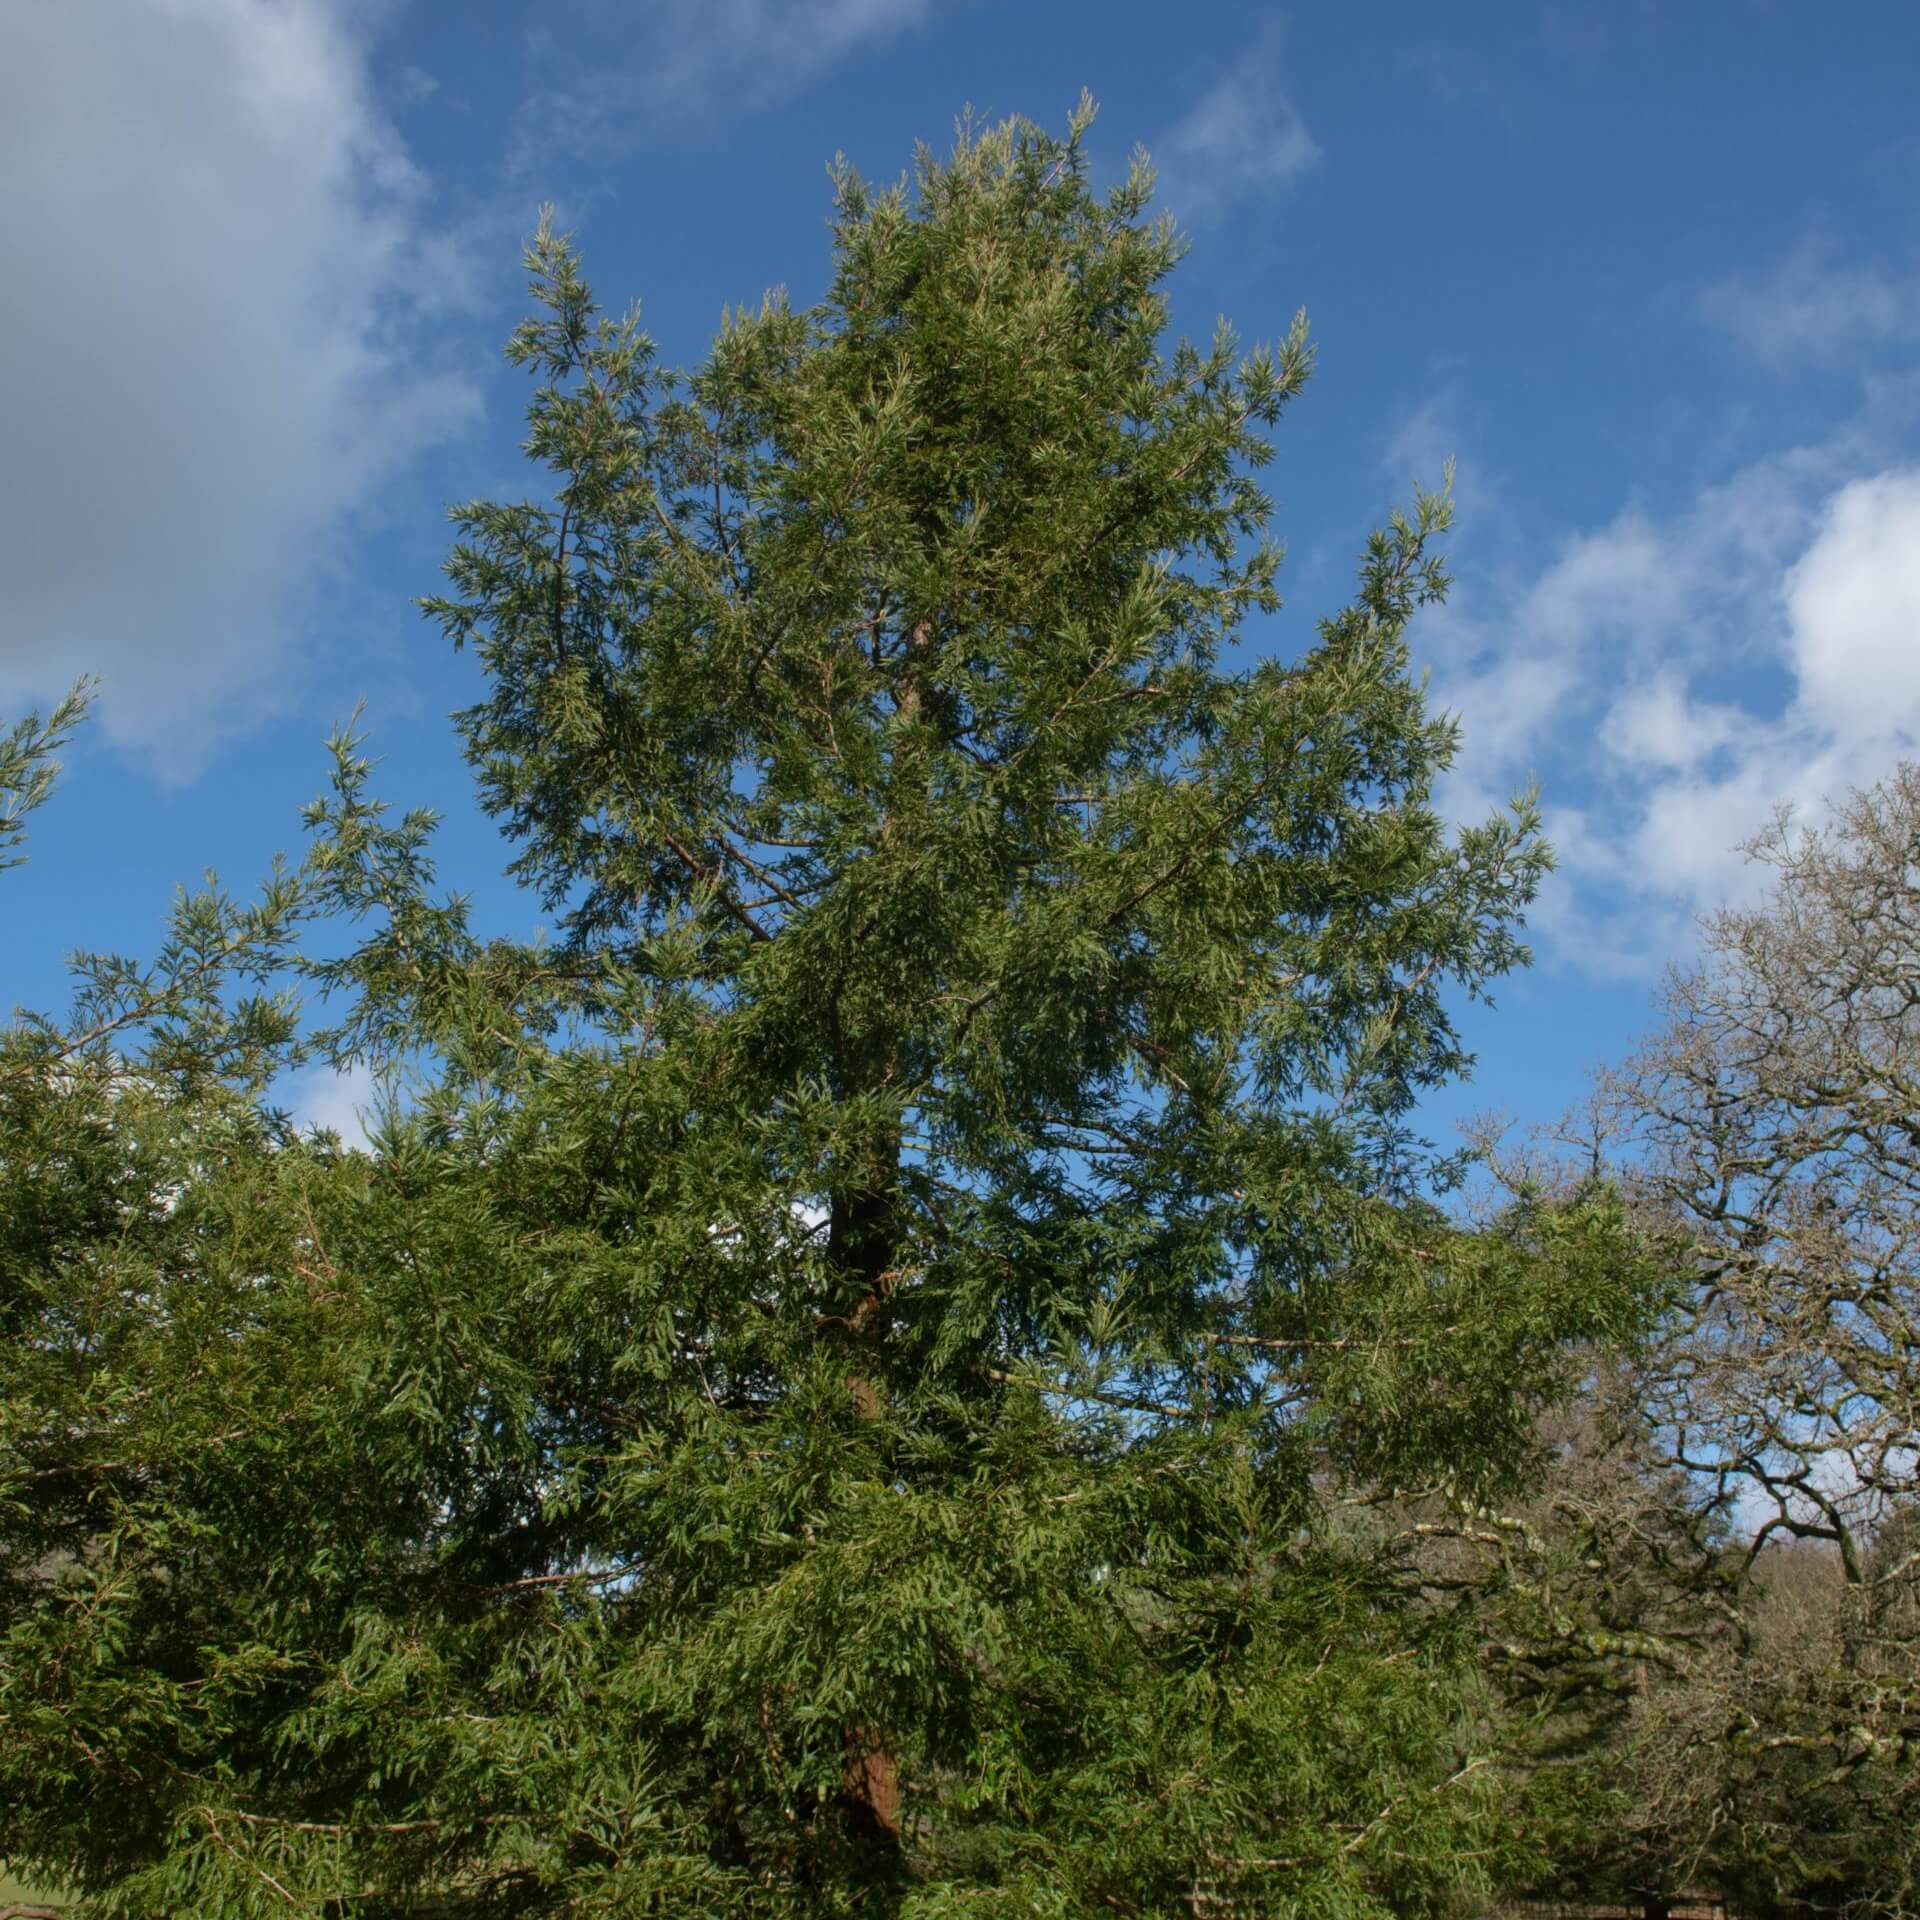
{"points": [[619, 70], [414, 85], [1424, 445], [1242, 139], [218, 273], [1460, 82], [1814, 306], [768, 47]]}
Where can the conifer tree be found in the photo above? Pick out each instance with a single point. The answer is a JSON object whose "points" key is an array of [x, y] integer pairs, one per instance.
{"points": [[847, 1388]]}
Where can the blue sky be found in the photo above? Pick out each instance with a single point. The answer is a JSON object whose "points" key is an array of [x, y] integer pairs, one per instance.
{"points": [[1651, 274]]}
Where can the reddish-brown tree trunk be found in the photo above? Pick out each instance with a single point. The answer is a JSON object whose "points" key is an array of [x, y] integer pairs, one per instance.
{"points": [[869, 1774], [870, 1784]]}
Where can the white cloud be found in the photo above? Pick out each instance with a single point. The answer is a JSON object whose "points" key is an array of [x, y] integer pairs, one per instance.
{"points": [[1512, 702], [342, 1103], [1853, 610], [1241, 140], [1673, 679], [1674, 676], [217, 270], [1840, 642], [1660, 725], [1608, 586], [1812, 306]]}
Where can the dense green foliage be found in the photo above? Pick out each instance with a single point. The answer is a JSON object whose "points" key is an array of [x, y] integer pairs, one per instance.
{"points": [[853, 1383]]}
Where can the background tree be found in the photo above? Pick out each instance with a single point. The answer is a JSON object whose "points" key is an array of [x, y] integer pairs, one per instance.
{"points": [[842, 1393], [1603, 1599], [1618, 1625], [1768, 1138], [1781, 1110]]}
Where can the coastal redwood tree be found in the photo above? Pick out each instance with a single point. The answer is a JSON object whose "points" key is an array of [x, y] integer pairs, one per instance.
{"points": [[843, 1385]]}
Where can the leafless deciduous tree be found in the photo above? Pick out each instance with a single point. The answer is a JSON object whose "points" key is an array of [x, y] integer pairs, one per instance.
{"points": [[1778, 1122], [1780, 1110]]}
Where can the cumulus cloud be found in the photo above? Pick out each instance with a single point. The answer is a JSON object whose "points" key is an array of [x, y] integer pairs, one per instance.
{"points": [[1672, 680], [1675, 676], [1832, 699], [1853, 610], [218, 273], [1243, 139]]}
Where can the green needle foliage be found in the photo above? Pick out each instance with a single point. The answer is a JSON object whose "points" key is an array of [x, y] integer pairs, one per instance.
{"points": [[28, 769], [847, 1389]]}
